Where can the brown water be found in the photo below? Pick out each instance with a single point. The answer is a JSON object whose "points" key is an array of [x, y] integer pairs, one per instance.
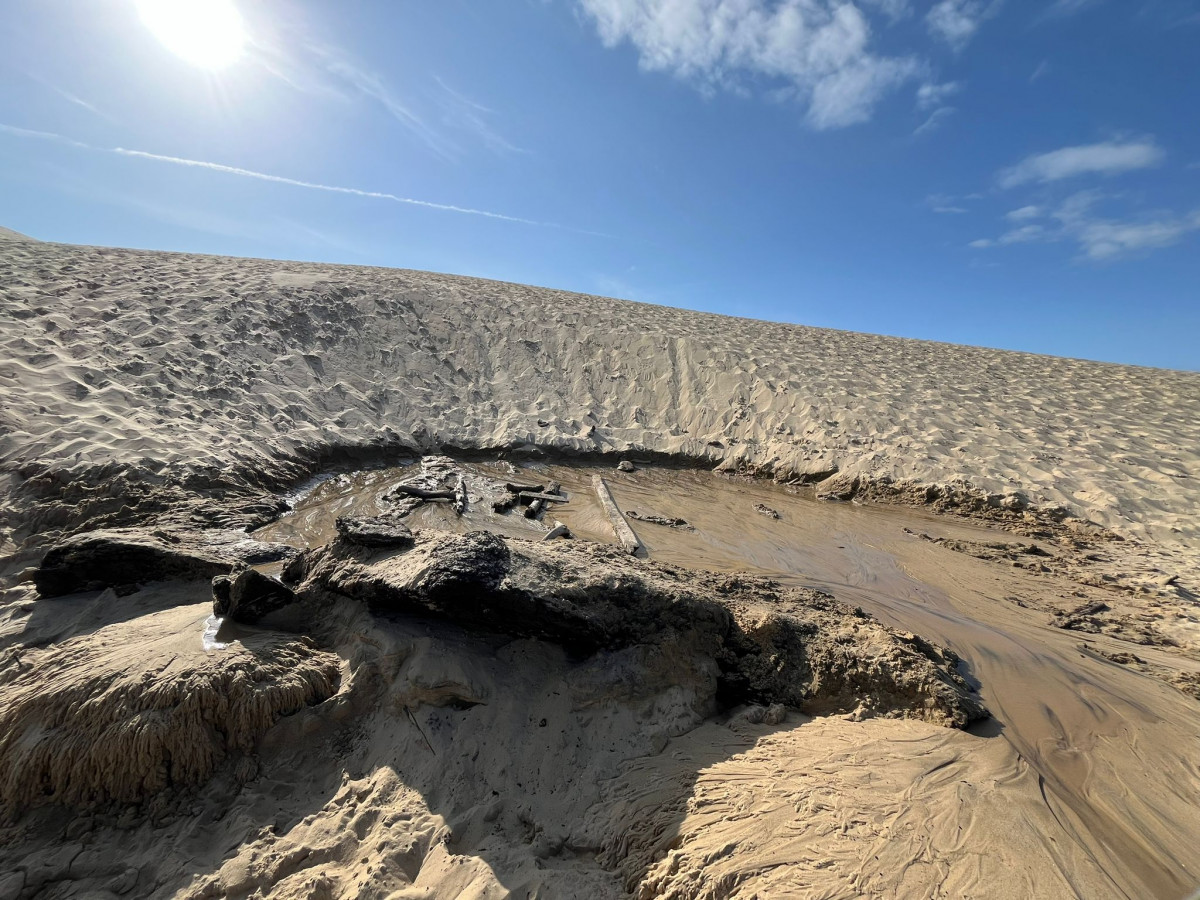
{"points": [[1115, 750]]}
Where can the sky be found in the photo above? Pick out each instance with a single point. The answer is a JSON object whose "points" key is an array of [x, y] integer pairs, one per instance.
{"points": [[991, 172]]}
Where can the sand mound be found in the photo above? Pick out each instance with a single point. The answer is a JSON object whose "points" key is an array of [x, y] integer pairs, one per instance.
{"points": [[767, 644], [133, 709]]}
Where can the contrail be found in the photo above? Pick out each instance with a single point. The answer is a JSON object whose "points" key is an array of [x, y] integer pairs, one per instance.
{"points": [[295, 182], [278, 179]]}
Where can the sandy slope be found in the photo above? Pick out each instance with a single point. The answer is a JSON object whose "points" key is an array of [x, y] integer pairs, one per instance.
{"points": [[168, 362], [180, 388]]}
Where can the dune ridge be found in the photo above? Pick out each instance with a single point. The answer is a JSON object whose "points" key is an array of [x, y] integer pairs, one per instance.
{"points": [[131, 371]]}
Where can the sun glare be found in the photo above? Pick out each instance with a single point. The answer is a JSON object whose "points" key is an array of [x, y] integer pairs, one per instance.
{"points": [[206, 33]]}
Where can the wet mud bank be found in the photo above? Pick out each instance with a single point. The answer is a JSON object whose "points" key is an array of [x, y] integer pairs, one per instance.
{"points": [[749, 604]]}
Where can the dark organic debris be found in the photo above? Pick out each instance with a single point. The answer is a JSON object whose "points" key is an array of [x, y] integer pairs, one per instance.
{"points": [[766, 511], [771, 644], [373, 532], [249, 596], [120, 556], [659, 520]]}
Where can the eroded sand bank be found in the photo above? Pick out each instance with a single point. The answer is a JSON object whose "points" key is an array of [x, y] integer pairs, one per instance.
{"points": [[182, 394]]}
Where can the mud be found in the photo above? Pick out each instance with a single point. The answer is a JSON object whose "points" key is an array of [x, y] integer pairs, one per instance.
{"points": [[1111, 743]]}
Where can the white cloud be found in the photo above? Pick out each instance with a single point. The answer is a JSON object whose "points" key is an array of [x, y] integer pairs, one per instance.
{"points": [[1042, 68], [1108, 158], [1022, 235], [818, 48], [1023, 214], [930, 95], [1099, 238], [956, 21]]}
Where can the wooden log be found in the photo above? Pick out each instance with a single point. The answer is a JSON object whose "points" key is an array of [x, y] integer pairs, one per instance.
{"points": [[422, 493], [504, 504], [460, 495], [524, 488], [530, 496], [559, 530], [534, 509], [620, 526]]}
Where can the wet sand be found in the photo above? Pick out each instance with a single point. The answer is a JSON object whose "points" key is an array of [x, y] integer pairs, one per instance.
{"points": [[1112, 748]]}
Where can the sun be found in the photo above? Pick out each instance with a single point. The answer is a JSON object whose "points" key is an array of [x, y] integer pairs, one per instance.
{"points": [[206, 33]]}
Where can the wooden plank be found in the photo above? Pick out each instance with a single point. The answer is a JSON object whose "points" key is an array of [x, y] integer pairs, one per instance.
{"points": [[535, 507], [620, 526], [530, 496]]}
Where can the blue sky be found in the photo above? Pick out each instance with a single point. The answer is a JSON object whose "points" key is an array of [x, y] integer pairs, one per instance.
{"points": [[1018, 175]]}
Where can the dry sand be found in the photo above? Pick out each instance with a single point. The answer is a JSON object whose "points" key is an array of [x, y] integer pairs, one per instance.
{"points": [[401, 756]]}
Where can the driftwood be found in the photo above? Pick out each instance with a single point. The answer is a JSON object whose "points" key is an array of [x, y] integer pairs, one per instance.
{"points": [[766, 511], [559, 530], [422, 493], [504, 504], [534, 509], [621, 529], [530, 496], [460, 495], [524, 488]]}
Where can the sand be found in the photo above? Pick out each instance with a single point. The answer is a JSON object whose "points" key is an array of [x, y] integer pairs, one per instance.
{"points": [[403, 756]]}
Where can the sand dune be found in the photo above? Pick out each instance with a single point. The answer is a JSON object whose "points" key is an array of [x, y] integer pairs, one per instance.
{"points": [[172, 366], [400, 731]]}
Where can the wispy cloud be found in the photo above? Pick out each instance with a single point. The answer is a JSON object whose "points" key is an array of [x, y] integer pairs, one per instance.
{"points": [[893, 9], [442, 120], [1107, 158], [818, 49], [930, 94], [276, 179], [934, 119], [1060, 9], [1024, 214], [43, 135], [957, 21], [462, 113], [372, 86], [1099, 238], [933, 96], [946, 204], [1040, 72]]}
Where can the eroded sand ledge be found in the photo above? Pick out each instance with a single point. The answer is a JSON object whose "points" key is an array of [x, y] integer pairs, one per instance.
{"points": [[183, 392]]}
